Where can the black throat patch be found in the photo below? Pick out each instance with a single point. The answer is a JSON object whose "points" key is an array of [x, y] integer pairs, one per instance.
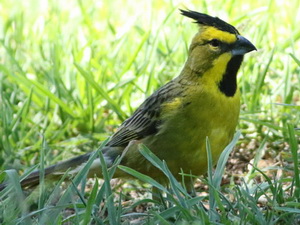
{"points": [[228, 84]]}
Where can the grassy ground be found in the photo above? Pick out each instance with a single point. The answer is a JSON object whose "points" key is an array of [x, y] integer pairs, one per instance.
{"points": [[72, 71]]}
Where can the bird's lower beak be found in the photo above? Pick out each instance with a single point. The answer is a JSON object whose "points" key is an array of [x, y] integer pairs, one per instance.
{"points": [[242, 46]]}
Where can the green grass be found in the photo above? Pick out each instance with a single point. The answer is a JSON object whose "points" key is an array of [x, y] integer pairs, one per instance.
{"points": [[72, 71]]}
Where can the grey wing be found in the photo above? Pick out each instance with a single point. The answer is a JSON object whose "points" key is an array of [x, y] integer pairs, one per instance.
{"points": [[146, 119], [142, 123]]}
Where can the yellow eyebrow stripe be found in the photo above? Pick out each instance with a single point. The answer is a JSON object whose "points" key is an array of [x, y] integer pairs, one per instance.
{"points": [[210, 33]]}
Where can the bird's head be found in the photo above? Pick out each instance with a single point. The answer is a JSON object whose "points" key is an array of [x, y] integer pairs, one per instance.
{"points": [[218, 46]]}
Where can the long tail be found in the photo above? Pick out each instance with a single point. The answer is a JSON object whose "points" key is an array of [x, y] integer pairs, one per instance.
{"points": [[53, 172]]}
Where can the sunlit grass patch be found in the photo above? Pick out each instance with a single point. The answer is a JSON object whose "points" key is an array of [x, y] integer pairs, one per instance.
{"points": [[72, 71]]}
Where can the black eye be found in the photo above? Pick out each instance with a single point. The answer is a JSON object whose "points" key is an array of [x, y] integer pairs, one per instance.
{"points": [[215, 43]]}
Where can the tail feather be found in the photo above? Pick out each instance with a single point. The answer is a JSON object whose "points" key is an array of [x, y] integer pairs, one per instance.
{"points": [[53, 172], [73, 166]]}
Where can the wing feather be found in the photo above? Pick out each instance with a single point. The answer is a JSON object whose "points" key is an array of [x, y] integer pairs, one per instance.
{"points": [[146, 119]]}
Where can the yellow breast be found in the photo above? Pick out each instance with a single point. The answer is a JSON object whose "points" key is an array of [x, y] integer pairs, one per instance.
{"points": [[181, 139]]}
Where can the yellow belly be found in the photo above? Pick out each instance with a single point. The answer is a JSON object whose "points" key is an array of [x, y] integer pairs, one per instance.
{"points": [[182, 137]]}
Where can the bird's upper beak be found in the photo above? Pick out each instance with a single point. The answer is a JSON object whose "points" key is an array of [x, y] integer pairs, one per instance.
{"points": [[242, 46]]}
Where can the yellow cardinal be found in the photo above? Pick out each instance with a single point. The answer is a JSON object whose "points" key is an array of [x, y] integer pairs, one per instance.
{"points": [[203, 101]]}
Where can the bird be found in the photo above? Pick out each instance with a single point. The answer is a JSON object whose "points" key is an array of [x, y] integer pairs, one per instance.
{"points": [[203, 101]]}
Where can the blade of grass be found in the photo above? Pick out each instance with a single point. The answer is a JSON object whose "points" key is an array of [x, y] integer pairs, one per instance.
{"points": [[101, 91], [294, 149], [108, 192], [42, 197], [143, 177], [90, 203]]}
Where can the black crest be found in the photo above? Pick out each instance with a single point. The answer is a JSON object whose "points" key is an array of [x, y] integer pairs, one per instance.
{"points": [[207, 20]]}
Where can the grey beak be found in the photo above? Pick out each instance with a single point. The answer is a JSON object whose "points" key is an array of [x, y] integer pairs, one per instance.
{"points": [[242, 46]]}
